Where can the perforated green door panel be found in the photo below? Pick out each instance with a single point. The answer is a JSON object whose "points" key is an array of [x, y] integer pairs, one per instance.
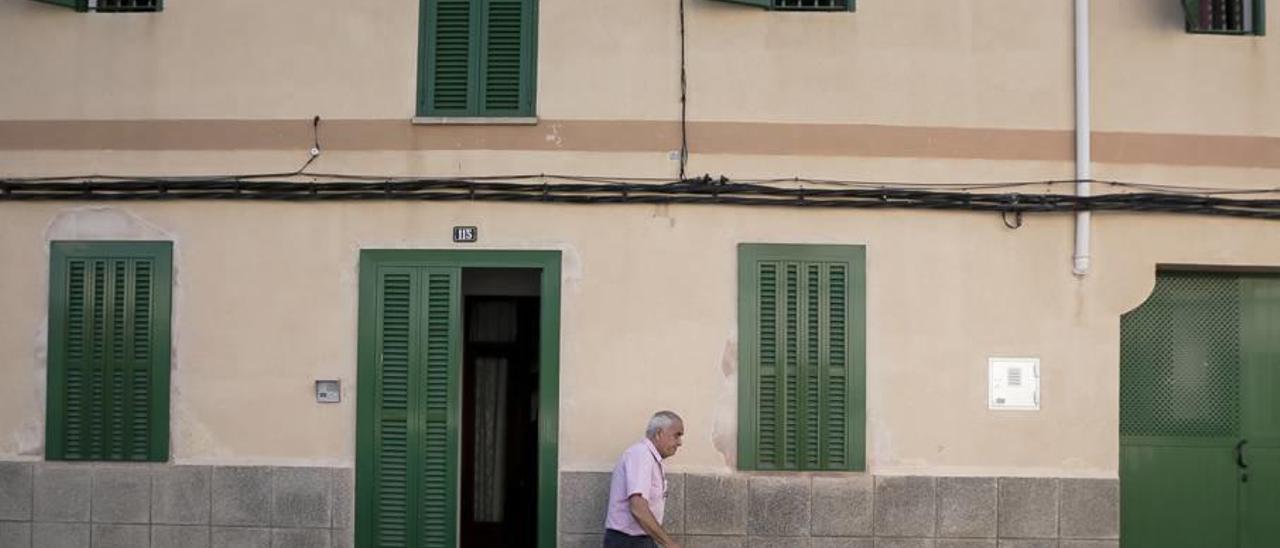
{"points": [[1180, 359]]}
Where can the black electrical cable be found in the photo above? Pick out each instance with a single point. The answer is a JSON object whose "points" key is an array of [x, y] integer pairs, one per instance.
{"points": [[315, 147], [703, 190], [616, 180], [684, 100]]}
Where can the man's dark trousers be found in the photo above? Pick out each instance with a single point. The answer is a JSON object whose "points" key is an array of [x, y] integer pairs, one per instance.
{"points": [[618, 539]]}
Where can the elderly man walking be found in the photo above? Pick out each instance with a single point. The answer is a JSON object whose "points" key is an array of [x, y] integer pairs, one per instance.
{"points": [[638, 490]]}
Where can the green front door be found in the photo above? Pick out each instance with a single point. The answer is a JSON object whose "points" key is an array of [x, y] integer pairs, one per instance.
{"points": [[408, 403], [1200, 413]]}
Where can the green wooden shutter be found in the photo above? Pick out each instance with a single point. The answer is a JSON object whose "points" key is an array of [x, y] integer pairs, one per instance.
{"points": [[800, 396], [757, 3], [505, 73], [109, 351], [110, 5], [78, 5], [800, 5], [834, 375], [441, 367], [394, 495], [479, 57], [1226, 16], [768, 368], [450, 57], [415, 439]]}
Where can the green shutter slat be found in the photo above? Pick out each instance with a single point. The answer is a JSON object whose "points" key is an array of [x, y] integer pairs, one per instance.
{"points": [[503, 73], [791, 361], [835, 420], [75, 387], [108, 321], [439, 386], [767, 397], [113, 372], [139, 359], [95, 425], [810, 370], [392, 471], [450, 57]]}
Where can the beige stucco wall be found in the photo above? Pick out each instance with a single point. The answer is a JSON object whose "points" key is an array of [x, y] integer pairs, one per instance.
{"points": [[265, 301], [971, 63], [265, 293], [1002, 63]]}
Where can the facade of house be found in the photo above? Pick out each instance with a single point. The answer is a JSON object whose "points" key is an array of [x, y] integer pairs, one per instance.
{"points": [[414, 273]]}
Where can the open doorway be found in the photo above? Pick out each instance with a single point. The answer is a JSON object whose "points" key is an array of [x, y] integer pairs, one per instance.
{"points": [[499, 437]]}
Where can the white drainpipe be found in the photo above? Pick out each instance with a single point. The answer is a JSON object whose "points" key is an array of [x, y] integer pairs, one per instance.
{"points": [[1084, 158]]}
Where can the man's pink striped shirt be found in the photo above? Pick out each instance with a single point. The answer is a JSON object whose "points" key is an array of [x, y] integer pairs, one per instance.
{"points": [[639, 471]]}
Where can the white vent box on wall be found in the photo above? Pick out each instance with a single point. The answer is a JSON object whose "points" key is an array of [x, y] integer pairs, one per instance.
{"points": [[1013, 384]]}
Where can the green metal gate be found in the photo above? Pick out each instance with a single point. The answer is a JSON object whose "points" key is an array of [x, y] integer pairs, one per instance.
{"points": [[1200, 413]]}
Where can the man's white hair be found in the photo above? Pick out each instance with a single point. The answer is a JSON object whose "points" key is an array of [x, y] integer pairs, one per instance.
{"points": [[660, 420]]}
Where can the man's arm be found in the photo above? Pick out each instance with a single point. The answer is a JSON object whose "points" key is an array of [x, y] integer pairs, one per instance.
{"points": [[640, 510]]}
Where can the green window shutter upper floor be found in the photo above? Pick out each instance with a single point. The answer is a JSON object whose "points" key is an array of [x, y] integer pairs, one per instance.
{"points": [[449, 60], [110, 5], [1226, 16], [478, 58], [108, 381], [800, 5], [78, 5], [801, 376], [506, 25], [758, 3]]}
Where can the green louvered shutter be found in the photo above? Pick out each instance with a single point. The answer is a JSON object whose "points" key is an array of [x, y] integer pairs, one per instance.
{"points": [[800, 5], [507, 53], [768, 367], [757, 3], [415, 439], [439, 387], [479, 58], [78, 5], [800, 327], [450, 58], [1226, 16], [834, 375], [109, 351], [394, 493]]}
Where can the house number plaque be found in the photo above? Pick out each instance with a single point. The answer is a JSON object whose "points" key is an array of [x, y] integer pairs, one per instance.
{"points": [[465, 234]]}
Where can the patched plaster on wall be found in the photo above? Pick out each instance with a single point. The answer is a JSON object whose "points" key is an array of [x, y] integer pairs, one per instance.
{"points": [[724, 429]]}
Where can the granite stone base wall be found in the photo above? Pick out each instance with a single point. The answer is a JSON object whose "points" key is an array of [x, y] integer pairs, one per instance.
{"points": [[101, 505], [862, 511], [52, 504]]}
